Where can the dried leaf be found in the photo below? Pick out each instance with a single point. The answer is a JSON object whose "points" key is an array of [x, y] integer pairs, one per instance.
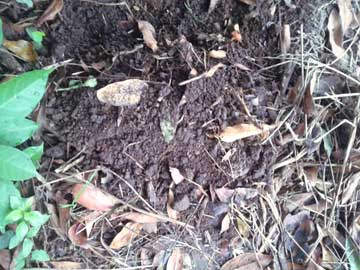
{"points": [[242, 67], [150, 228], [50, 13], [224, 194], [308, 96], [172, 213], [126, 235], [217, 54], [212, 70], [248, 261], [285, 38], [335, 33], [212, 5], [77, 234], [176, 260], [148, 32], [22, 49], [176, 176], [241, 131], [294, 91], [64, 212], [345, 14], [124, 93], [93, 198], [295, 201], [243, 228], [248, 2], [140, 218], [90, 220], [350, 189], [5, 258], [225, 223], [66, 265]]}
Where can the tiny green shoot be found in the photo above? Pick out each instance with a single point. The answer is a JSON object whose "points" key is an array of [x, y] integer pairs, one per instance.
{"points": [[36, 36]]}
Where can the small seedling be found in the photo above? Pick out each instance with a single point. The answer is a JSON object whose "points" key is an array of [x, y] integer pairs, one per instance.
{"points": [[91, 82], [36, 36]]}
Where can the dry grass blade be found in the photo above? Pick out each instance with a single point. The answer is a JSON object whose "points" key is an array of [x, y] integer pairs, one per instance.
{"points": [[148, 32], [248, 261], [124, 93], [50, 13], [77, 234], [126, 235], [345, 14], [212, 70], [335, 33], [248, 2], [242, 131], [217, 54], [140, 218], [66, 265], [93, 198], [22, 49], [176, 260], [285, 38]]}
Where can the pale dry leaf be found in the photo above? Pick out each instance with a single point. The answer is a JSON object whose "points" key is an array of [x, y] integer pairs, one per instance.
{"points": [[150, 228], [350, 189], [243, 227], [345, 14], [212, 5], [50, 13], [21, 48], [148, 32], [90, 220], [93, 198], [248, 2], [335, 33], [172, 213], [212, 70], [176, 260], [176, 175], [77, 234], [66, 265], [242, 131], [140, 218], [285, 38], [217, 54], [124, 93], [224, 194], [5, 258], [241, 66], [126, 235], [225, 223], [248, 261]]}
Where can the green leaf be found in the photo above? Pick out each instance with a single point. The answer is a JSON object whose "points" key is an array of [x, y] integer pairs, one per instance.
{"points": [[352, 254], [27, 247], [21, 230], [36, 36], [33, 231], [13, 216], [35, 153], [28, 204], [40, 256], [20, 263], [90, 82], [7, 189], [16, 131], [15, 202], [28, 3], [35, 218], [15, 165], [20, 95], [14, 242], [5, 239], [1, 33], [167, 130]]}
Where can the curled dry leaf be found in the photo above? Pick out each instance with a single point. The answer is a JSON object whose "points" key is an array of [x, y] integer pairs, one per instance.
{"points": [[351, 187], [22, 49], [66, 265], [124, 93], [77, 234], [335, 33], [126, 235], [285, 38], [241, 131], [248, 261], [140, 218], [148, 32], [217, 54], [345, 14], [248, 2], [172, 213], [50, 13], [225, 223], [93, 198], [176, 260], [176, 175]]}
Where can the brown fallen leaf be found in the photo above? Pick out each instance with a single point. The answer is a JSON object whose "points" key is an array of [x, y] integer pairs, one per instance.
{"points": [[22, 49], [335, 33], [93, 198], [217, 54], [172, 213], [345, 14], [5, 258], [176, 260], [124, 93], [139, 218], [50, 13], [294, 91], [64, 212], [285, 38], [176, 175], [225, 223], [248, 261], [248, 2], [77, 234], [66, 265], [241, 131], [148, 32], [309, 105], [311, 174], [126, 235]]}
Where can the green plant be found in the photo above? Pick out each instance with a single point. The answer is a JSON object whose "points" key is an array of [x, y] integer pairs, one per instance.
{"points": [[18, 98], [36, 36]]}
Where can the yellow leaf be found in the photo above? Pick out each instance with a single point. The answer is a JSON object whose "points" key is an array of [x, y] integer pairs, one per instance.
{"points": [[22, 49]]}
